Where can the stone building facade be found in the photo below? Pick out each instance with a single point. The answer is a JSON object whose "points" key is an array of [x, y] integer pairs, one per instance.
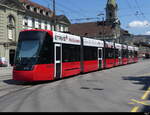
{"points": [[16, 15]]}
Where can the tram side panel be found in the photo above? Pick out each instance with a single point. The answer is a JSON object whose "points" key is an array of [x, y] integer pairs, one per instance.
{"points": [[109, 57], [90, 58], [70, 60]]}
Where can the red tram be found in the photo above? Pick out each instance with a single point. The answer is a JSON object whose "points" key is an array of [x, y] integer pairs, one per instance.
{"points": [[47, 55]]}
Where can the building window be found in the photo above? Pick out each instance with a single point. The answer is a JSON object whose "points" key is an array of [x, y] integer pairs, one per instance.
{"points": [[57, 27], [28, 7], [41, 11], [36, 23], [39, 24], [47, 14], [25, 22], [66, 29], [11, 20], [52, 27], [11, 27], [46, 25], [30, 24], [33, 22], [42, 25], [35, 10], [62, 28], [10, 34]]}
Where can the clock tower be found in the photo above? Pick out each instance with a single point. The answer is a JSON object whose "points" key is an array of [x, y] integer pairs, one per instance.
{"points": [[112, 18]]}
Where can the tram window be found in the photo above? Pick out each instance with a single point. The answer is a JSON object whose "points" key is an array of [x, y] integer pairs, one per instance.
{"points": [[119, 51], [90, 53], [135, 54], [47, 51], [70, 53], [125, 53], [109, 53], [130, 54], [116, 53]]}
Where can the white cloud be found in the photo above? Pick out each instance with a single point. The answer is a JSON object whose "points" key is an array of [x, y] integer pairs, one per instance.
{"points": [[147, 33], [139, 24]]}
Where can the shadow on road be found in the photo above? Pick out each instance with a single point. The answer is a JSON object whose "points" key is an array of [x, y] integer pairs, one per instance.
{"points": [[142, 80], [14, 82]]}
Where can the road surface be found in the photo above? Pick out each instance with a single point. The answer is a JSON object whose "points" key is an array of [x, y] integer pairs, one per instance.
{"points": [[119, 89]]}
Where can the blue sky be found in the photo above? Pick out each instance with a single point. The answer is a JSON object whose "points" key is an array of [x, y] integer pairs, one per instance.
{"points": [[133, 14]]}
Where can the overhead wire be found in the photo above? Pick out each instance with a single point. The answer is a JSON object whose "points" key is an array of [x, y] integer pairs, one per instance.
{"points": [[75, 14]]}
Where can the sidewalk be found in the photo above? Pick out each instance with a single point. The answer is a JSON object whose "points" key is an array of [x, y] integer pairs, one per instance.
{"points": [[6, 70]]}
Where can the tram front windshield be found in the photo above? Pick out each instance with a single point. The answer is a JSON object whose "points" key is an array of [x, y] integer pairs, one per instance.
{"points": [[28, 47]]}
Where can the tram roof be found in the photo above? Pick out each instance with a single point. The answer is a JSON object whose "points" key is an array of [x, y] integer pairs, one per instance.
{"points": [[93, 42], [130, 48], [118, 46]]}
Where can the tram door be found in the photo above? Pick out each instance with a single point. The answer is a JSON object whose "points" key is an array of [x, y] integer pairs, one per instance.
{"points": [[100, 57], [120, 57], [58, 61]]}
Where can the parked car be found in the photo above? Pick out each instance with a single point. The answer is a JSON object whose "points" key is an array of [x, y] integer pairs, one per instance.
{"points": [[3, 62]]}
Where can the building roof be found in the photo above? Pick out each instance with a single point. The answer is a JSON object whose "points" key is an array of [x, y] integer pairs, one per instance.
{"points": [[64, 18], [28, 2], [91, 29], [36, 10]]}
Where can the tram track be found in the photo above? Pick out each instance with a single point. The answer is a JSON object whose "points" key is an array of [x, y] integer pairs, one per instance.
{"points": [[23, 94], [12, 90]]}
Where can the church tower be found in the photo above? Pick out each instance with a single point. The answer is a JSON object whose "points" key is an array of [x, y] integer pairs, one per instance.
{"points": [[112, 17], [111, 11]]}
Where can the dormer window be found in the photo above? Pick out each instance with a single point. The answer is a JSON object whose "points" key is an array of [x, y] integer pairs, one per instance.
{"points": [[47, 14], [41, 11], [35, 9], [28, 7]]}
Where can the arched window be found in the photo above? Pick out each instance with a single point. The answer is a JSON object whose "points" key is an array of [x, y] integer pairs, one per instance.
{"points": [[11, 20]]}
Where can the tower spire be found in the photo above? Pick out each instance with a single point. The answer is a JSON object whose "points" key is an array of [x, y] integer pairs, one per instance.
{"points": [[112, 2]]}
